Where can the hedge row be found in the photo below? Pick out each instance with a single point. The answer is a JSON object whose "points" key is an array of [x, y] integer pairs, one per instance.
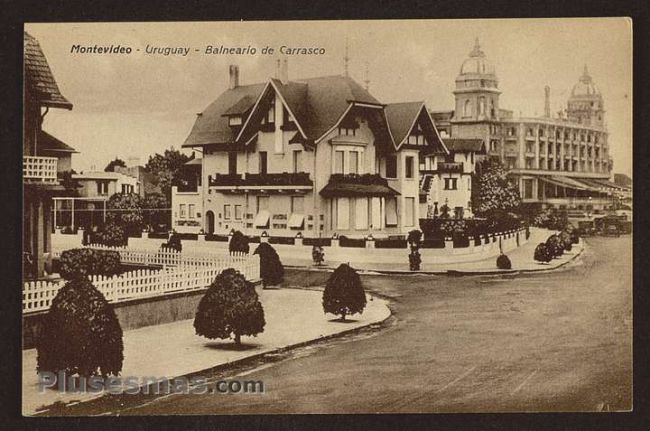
{"points": [[81, 262]]}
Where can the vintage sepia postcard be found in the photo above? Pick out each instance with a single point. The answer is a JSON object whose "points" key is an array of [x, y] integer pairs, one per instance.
{"points": [[289, 217]]}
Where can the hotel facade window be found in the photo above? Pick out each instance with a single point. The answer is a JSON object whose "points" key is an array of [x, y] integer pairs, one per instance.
{"points": [[190, 210], [102, 188], [232, 163], [409, 203], [339, 157], [182, 210], [226, 212], [238, 212]]}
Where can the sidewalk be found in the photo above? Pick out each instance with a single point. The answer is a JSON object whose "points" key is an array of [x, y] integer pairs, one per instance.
{"points": [[521, 259], [293, 316]]}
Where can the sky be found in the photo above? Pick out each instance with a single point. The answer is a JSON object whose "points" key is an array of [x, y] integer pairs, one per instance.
{"points": [[132, 106]]}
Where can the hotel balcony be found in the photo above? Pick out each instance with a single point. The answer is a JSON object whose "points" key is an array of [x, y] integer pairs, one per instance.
{"points": [[41, 170], [451, 167], [298, 181]]}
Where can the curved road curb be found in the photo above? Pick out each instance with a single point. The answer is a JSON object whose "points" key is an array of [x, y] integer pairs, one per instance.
{"points": [[449, 272]]}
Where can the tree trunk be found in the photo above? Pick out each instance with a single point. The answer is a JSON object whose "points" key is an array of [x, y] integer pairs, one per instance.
{"points": [[237, 339]]}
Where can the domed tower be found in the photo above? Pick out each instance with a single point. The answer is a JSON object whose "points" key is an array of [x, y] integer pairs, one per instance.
{"points": [[585, 104], [477, 94]]}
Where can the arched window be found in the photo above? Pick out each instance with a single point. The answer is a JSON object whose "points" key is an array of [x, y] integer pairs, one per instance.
{"points": [[481, 106], [467, 110]]}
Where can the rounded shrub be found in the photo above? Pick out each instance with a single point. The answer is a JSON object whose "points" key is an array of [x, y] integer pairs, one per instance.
{"points": [[81, 262], [239, 243], [554, 246], [271, 269], [542, 254], [344, 294], [113, 235], [565, 240], [229, 308], [503, 262], [81, 333]]}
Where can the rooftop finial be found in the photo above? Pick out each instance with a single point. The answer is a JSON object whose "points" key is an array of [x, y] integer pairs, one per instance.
{"points": [[367, 80], [476, 52], [585, 75], [346, 59]]}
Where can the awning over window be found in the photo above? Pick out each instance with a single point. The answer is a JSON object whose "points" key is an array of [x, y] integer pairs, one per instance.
{"points": [[348, 190], [565, 182], [296, 221], [262, 219]]}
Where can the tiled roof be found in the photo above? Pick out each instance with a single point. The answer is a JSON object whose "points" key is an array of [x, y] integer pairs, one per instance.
{"points": [[39, 80], [240, 108], [464, 145], [317, 104], [50, 143]]}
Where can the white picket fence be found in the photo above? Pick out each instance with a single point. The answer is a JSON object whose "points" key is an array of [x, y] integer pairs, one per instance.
{"points": [[163, 257], [186, 274]]}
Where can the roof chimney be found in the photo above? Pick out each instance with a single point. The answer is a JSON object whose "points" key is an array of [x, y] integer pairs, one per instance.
{"points": [[547, 102], [234, 76], [283, 72]]}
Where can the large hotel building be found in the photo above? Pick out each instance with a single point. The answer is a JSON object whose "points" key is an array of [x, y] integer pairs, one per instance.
{"points": [[558, 161]]}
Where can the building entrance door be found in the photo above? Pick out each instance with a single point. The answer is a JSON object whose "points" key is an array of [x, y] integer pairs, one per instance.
{"points": [[209, 222]]}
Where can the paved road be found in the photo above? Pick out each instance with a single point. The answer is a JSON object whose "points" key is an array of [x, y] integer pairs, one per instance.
{"points": [[550, 342]]}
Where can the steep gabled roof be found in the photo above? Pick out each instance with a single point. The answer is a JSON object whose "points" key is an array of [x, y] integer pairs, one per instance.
{"points": [[402, 117], [211, 126], [317, 104], [39, 80], [47, 142], [458, 145]]}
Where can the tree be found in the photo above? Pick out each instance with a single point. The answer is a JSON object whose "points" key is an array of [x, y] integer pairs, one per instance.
{"points": [[344, 294], [565, 240], [125, 210], [113, 163], [80, 334], [413, 240], [157, 211], [230, 307], [113, 235], [318, 254], [69, 183], [542, 254], [271, 269], [492, 193], [167, 168]]}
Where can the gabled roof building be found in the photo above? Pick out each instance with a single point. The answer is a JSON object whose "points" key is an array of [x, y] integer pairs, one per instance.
{"points": [[317, 156]]}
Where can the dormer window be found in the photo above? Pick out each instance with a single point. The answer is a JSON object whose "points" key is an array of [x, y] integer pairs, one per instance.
{"points": [[270, 117], [235, 120]]}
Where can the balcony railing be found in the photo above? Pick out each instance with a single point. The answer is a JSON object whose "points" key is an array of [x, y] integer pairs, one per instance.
{"points": [[40, 169], [261, 180], [450, 166]]}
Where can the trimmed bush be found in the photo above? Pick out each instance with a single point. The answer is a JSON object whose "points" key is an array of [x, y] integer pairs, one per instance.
{"points": [[317, 254], [81, 262], [271, 269], [542, 254], [344, 294], [81, 334], [565, 240], [173, 243], [554, 246], [230, 308], [503, 262], [414, 238], [239, 243], [113, 236]]}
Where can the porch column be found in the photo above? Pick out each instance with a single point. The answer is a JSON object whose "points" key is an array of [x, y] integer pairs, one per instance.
{"points": [[39, 230]]}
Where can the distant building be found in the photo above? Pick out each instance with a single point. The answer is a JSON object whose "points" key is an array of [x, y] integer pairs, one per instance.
{"points": [[44, 157], [148, 182], [623, 180], [560, 161]]}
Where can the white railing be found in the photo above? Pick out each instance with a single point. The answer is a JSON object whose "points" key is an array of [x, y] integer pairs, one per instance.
{"points": [[41, 169], [187, 274]]}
